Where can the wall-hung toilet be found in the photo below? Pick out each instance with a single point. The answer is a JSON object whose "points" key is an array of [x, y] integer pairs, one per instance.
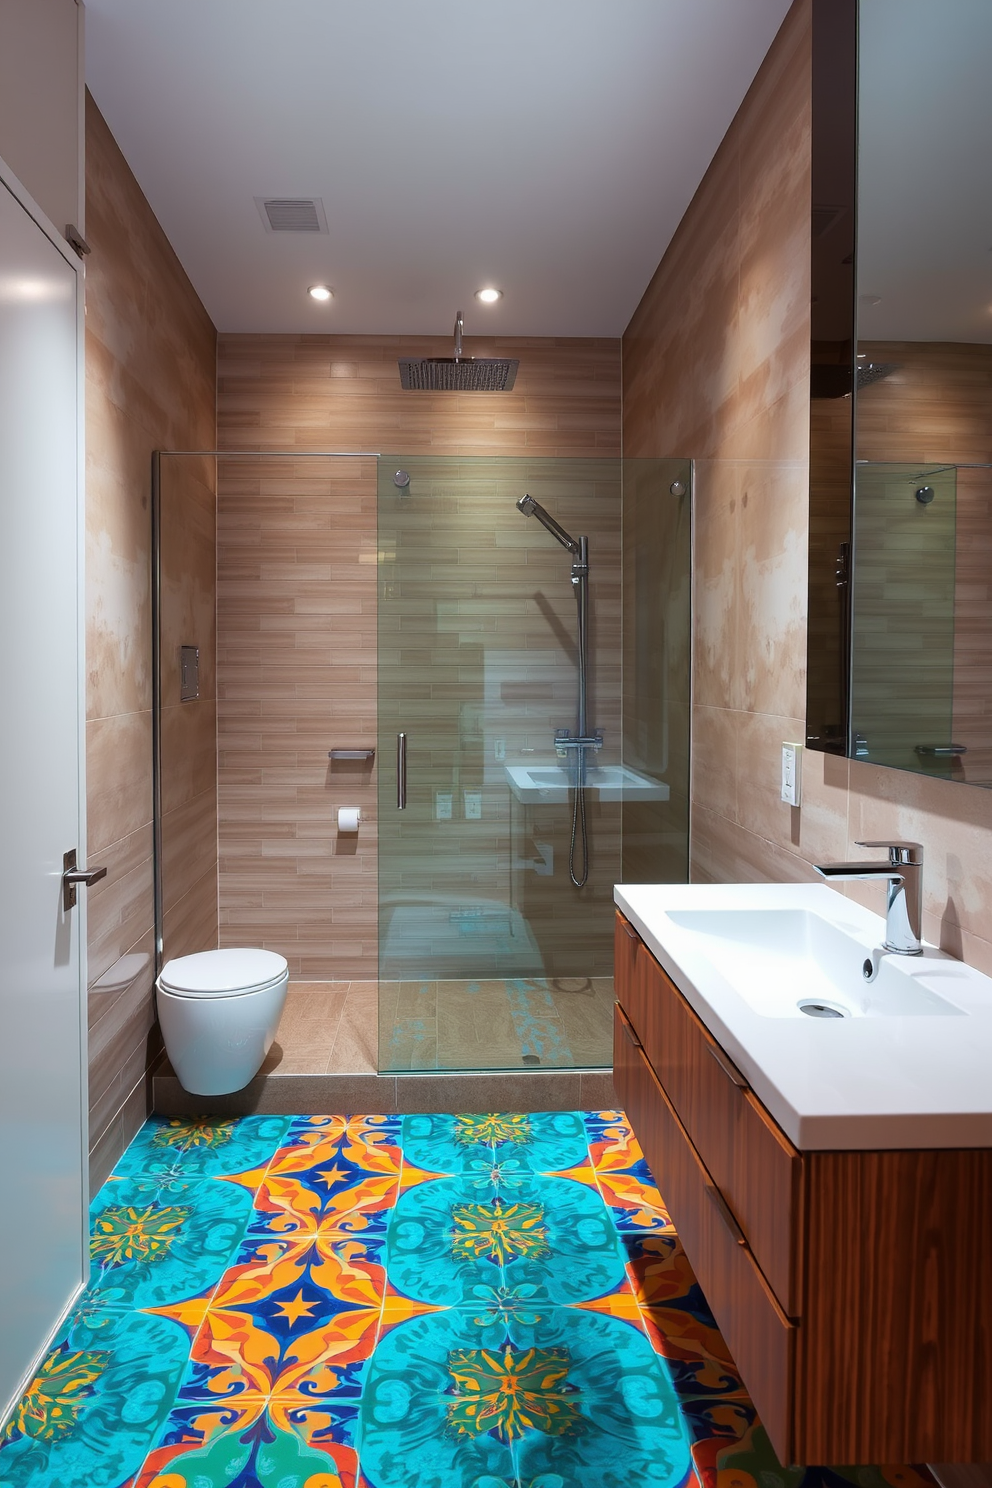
{"points": [[219, 1011]]}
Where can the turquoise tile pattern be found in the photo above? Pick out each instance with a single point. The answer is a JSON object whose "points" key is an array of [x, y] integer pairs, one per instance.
{"points": [[443, 1301]]}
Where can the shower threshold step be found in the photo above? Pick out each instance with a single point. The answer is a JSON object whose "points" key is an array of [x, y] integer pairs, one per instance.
{"points": [[485, 1090]]}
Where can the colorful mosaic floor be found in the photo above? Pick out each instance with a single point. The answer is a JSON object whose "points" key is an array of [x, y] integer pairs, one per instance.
{"points": [[392, 1302]]}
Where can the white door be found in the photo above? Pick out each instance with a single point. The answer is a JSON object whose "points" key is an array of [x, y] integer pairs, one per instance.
{"points": [[42, 1084]]}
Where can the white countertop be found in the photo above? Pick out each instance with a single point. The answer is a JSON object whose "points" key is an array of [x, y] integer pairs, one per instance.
{"points": [[849, 1083]]}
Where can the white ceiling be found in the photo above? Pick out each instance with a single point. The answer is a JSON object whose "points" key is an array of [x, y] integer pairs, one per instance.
{"points": [[549, 147]]}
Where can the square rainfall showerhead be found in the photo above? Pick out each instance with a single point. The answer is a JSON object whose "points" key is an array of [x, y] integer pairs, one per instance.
{"points": [[458, 374]]}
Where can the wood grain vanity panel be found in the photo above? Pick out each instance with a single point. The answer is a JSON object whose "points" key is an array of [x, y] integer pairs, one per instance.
{"points": [[757, 1169], [760, 1337], [626, 946], [883, 1255], [896, 1356]]}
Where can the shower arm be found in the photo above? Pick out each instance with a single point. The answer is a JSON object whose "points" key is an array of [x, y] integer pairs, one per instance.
{"points": [[532, 508]]}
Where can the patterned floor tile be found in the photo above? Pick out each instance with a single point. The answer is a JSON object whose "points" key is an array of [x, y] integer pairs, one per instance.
{"points": [[622, 1175], [447, 1240], [344, 1178], [588, 1403], [152, 1243], [460, 1301], [204, 1148], [544, 1142], [281, 1444], [97, 1404]]}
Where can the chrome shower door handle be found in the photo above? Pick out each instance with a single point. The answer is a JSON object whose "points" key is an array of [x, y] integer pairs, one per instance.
{"points": [[401, 772]]}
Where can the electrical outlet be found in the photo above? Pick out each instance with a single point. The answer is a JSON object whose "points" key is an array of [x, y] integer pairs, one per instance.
{"points": [[473, 805], [442, 805], [499, 749], [792, 773]]}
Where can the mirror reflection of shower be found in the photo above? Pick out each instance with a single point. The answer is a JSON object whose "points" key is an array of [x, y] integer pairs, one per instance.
{"points": [[565, 742]]}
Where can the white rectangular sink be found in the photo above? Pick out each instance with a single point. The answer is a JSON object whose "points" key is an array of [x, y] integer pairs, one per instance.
{"points": [[551, 783], [792, 963], [898, 1058]]}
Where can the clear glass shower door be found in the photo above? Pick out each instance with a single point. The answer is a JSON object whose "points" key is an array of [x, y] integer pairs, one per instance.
{"points": [[489, 955]]}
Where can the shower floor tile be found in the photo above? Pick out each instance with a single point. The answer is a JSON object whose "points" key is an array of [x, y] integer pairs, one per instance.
{"points": [[406, 1026], [472, 1301]]}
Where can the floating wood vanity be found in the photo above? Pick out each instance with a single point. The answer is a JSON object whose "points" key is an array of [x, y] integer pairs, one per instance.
{"points": [[853, 1288]]}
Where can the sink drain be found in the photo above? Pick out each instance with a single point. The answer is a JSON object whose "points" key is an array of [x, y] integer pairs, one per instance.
{"points": [[822, 1010]]}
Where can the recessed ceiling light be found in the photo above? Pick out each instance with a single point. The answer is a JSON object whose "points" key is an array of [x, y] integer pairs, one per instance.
{"points": [[489, 296], [320, 292]]}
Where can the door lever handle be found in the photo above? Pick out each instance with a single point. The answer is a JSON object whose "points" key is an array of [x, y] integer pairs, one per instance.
{"points": [[72, 875]]}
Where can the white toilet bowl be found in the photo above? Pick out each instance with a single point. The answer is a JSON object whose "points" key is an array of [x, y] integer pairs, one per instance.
{"points": [[219, 1011]]}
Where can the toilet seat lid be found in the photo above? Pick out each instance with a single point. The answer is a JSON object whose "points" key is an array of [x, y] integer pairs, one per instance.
{"points": [[222, 973]]}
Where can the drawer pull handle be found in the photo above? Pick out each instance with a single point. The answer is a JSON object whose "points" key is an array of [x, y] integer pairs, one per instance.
{"points": [[628, 1032], [723, 1209], [729, 1068], [629, 929]]}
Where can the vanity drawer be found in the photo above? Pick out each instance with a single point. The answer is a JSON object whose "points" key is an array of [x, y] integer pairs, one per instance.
{"points": [[756, 1168], [760, 1337]]}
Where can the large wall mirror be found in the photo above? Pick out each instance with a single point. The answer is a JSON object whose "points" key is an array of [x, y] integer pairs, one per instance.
{"points": [[900, 651]]}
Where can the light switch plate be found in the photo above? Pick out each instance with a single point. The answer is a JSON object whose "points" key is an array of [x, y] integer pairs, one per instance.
{"points": [[473, 805], [792, 773]]}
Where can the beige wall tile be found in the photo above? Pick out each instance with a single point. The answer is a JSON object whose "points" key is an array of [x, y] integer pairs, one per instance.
{"points": [[715, 736], [118, 777], [298, 609], [150, 377], [119, 909]]}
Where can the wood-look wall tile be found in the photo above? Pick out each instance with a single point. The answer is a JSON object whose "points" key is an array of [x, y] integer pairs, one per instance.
{"points": [[118, 543], [189, 751], [189, 845], [150, 384], [191, 922], [118, 777], [119, 909], [297, 603]]}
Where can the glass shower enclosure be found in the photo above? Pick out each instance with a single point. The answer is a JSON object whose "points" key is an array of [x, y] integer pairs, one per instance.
{"points": [[407, 602], [491, 954]]}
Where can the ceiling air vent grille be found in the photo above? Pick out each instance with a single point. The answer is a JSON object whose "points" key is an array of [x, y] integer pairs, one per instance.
{"points": [[293, 214]]}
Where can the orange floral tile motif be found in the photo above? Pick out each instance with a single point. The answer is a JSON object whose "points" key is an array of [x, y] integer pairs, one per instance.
{"points": [[125, 1233], [511, 1393], [622, 1175], [491, 1129], [51, 1405], [335, 1177], [197, 1132], [499, 1231]]}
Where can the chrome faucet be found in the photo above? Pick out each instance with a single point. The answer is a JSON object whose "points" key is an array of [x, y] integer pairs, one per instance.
{"points": [[904, 900]]}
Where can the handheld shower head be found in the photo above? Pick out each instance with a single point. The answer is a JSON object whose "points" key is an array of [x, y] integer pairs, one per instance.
{"points": [[532, 508]]}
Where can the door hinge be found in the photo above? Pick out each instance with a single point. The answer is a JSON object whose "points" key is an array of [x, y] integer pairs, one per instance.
{"points": [[76, 240]]}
